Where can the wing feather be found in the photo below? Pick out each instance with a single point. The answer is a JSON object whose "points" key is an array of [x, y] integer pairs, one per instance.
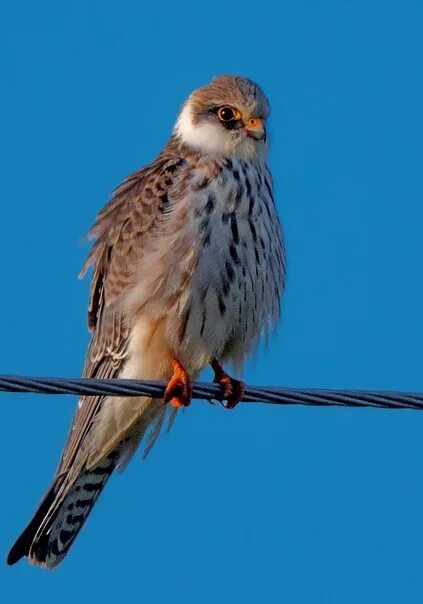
{"points": [[132, 214]]}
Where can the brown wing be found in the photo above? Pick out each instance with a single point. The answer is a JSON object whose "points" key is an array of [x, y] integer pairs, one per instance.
{"points": [[133, 213]]}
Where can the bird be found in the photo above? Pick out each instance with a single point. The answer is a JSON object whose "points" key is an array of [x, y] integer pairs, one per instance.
{"points": [[188, 270]]}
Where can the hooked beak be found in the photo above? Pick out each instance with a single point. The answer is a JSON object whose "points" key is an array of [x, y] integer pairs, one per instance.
{"points": [[255, 129]]}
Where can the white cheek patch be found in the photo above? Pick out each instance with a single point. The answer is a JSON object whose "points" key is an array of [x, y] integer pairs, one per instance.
{"points": [[205, 137]]}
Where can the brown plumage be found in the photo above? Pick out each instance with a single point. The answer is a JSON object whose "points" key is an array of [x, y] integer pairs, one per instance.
{"points": [[188, 269]]}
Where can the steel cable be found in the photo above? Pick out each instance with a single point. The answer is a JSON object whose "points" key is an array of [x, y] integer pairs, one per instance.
{"points": [[211, 392]]}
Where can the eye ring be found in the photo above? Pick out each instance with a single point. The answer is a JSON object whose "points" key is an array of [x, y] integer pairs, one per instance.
{"points": [[228, 114]]}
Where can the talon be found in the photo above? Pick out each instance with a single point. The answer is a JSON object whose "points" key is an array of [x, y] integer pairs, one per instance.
{"points": [[232, 389], [178, 390]]}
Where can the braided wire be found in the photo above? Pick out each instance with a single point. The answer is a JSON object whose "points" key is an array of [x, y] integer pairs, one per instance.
{"points": [[211, 392]]}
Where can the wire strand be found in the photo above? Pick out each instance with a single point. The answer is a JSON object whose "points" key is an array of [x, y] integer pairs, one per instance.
{"points": [[211, 392]]}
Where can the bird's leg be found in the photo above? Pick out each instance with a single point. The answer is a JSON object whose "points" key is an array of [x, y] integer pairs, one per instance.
{"points": [[178, 389], [232, 390]]}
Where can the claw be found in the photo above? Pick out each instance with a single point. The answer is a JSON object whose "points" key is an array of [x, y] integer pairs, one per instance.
{"points": [[232, 389], [178, 390]]}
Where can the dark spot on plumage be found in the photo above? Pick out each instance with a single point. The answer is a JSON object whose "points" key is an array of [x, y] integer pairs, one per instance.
{"points": [[236, 174], [77, 488], [167, 182], [269, 188], [184, 324], [201, 184], [264, 202], [279, 256], [70, 507], [222, 305], [69, 519], [204, 224], [206, 238], [229, 163], [225, 287], [203, 323], [211, 202], [234, 254], [238, 195], [248, 185], [164, 201], [251, 205], [270, 237], [263, 245], [79, 518], [278, 302], [65, 536], [82, 503], [99, 471], [172, 168], [226, 216], [89, 487], [244, 272], [275, 279], [204, 293], [148, 193], [253, 230], [234, 229], [230, 271], [259, 210]]}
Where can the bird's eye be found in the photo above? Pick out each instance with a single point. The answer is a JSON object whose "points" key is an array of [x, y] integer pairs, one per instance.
{"points": [[228, 114]]}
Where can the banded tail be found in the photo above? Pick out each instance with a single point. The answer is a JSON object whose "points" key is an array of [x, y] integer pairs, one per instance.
{"points": [[60, 516]]}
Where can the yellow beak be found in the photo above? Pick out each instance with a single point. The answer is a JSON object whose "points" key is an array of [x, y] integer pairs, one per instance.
{"points": [[255, 128]]}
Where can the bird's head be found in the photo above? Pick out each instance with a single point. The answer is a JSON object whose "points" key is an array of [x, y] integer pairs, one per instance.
{"points": [[226, 117]]}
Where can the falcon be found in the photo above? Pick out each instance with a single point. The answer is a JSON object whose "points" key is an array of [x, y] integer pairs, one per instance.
{"points": [[187, 271]]}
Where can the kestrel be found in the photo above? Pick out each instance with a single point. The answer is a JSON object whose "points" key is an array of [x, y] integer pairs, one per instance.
{"points": [[187, 270]]}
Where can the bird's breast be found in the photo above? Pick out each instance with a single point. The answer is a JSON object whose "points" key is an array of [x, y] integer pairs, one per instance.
{"points": [[232, 293]]}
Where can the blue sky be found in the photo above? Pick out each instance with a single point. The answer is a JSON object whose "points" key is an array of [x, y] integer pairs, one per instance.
{"points": [[264, 504]]}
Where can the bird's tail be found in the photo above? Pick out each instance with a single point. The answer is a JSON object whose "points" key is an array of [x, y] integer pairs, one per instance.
{"points": [[60, 516]]}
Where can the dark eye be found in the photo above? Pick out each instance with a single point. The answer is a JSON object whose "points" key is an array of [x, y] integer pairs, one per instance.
{"points": [[228, 114]]}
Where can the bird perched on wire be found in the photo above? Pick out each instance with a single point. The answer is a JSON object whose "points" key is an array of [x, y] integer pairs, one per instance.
{"points": [[187, 270]]}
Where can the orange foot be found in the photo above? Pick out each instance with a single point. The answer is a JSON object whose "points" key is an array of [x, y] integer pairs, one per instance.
{"points": [[178, 389], [232, 390]]}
